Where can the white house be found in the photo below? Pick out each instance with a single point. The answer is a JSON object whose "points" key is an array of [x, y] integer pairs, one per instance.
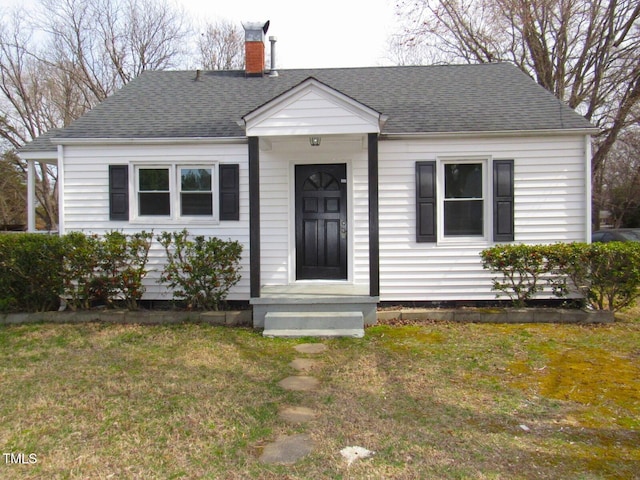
{"points": [[346, 187]]}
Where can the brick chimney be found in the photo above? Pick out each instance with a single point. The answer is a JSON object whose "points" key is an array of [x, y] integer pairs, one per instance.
{"points": [[254, 61]]}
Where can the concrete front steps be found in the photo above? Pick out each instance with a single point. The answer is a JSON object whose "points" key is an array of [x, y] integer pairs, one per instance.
{"points": [[314, 324], [314, 310]]}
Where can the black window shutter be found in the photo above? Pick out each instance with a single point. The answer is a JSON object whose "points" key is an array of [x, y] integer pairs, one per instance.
{"points": [[503, 230], [118, 192], [426, 201], [229, 192]]}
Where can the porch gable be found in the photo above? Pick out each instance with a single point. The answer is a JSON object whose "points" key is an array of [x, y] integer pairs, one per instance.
{"points": [[312, 108]]}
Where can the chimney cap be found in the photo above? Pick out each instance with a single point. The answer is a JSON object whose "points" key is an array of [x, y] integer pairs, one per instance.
{"points": [[255, 31]]}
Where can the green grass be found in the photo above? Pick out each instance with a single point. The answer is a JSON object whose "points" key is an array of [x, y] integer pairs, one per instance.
{"points": [[436, 400]]}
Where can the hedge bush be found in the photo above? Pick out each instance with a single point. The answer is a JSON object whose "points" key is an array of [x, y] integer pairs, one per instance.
{"points": [[36, 270], [606, 275], [30, 272], [106, 269], [200, 270], [523, 268]]}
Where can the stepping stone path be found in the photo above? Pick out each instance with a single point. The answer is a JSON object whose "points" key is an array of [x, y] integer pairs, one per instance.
{"points": [[288, 449], [304, 364], [300, 383], [297, 414]]}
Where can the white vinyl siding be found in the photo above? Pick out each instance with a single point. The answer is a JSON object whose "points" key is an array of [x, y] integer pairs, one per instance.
{"points": [[86, 199], [550, 193], [550, 205]]}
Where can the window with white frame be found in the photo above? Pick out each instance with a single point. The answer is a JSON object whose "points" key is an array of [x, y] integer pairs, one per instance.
{"points": [[154, 195], [464, 198], [172, 191], [196, 195]]}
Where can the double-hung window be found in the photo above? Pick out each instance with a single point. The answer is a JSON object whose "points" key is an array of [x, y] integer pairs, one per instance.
{"points": [[464, 199], [196, 195], [154, 195]]}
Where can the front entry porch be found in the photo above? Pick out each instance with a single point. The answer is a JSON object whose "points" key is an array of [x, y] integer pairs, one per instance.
{"points": [[314, 309], [313, 212]]}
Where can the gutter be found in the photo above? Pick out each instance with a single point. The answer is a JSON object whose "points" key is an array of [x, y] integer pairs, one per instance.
{"points": [[494, 133], [149, 141]]}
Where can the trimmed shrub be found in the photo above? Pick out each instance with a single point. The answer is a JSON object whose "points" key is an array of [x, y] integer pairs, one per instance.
{"points": [[524, 269], [200, 271], [30, 272], [107, 269], [121, 268], [80, 263], [606, 275]]}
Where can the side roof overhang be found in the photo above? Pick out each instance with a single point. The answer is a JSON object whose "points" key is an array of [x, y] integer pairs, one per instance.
{"points": [[312, 108]]}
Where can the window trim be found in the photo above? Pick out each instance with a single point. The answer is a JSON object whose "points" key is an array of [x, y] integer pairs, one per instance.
{"points": [[175, 191], [487, 224]]}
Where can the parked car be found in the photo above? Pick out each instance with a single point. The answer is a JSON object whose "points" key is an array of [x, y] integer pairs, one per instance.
{"points": [[617, 235]]}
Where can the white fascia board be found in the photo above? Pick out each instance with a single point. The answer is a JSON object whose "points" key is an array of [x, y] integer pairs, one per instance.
{"points": [[44, 157]]}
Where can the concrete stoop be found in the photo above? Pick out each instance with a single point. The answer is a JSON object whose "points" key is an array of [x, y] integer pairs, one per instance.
{"points": [[314, 324]]}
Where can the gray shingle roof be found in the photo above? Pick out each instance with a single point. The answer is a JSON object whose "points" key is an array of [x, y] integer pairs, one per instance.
{"points": [[421, 99]]}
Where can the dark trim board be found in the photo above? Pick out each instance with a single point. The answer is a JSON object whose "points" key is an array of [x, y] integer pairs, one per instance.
{"points": [[254, 216], [374, 222]]}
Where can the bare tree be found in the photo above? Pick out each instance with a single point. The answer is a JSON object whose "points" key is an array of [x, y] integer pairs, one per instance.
{"points": [[69, 56], [403, 50], [104, 44], [583, 51], [14, 192], [621, 182], [30, 104], [221, 47]]}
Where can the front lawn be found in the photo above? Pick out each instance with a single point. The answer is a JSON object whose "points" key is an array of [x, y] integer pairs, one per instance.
{"points": [[437, 400]]}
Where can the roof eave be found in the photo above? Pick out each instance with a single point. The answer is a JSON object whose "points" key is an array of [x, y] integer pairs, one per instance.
{"points": [[40, 156], [491, 133], [148, 140]]}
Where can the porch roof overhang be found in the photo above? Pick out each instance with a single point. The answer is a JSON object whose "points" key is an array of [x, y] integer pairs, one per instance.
{"points": [[312, 108]]}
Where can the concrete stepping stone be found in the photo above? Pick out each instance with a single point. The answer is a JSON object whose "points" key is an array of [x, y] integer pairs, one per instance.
{"points": [[287, 449], [297, 414], [304, 364], [311, 348], [301, 383]]}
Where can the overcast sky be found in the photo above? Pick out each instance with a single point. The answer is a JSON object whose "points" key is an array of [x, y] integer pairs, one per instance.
{"points": [[331, 33]]}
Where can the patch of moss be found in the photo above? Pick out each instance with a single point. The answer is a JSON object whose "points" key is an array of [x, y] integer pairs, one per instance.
{"points": [[414, 333], [605, 384], [597, 378], [408, 339]]}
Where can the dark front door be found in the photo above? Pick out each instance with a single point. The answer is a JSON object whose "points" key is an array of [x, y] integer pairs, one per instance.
{"points": [[321, 222]]}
